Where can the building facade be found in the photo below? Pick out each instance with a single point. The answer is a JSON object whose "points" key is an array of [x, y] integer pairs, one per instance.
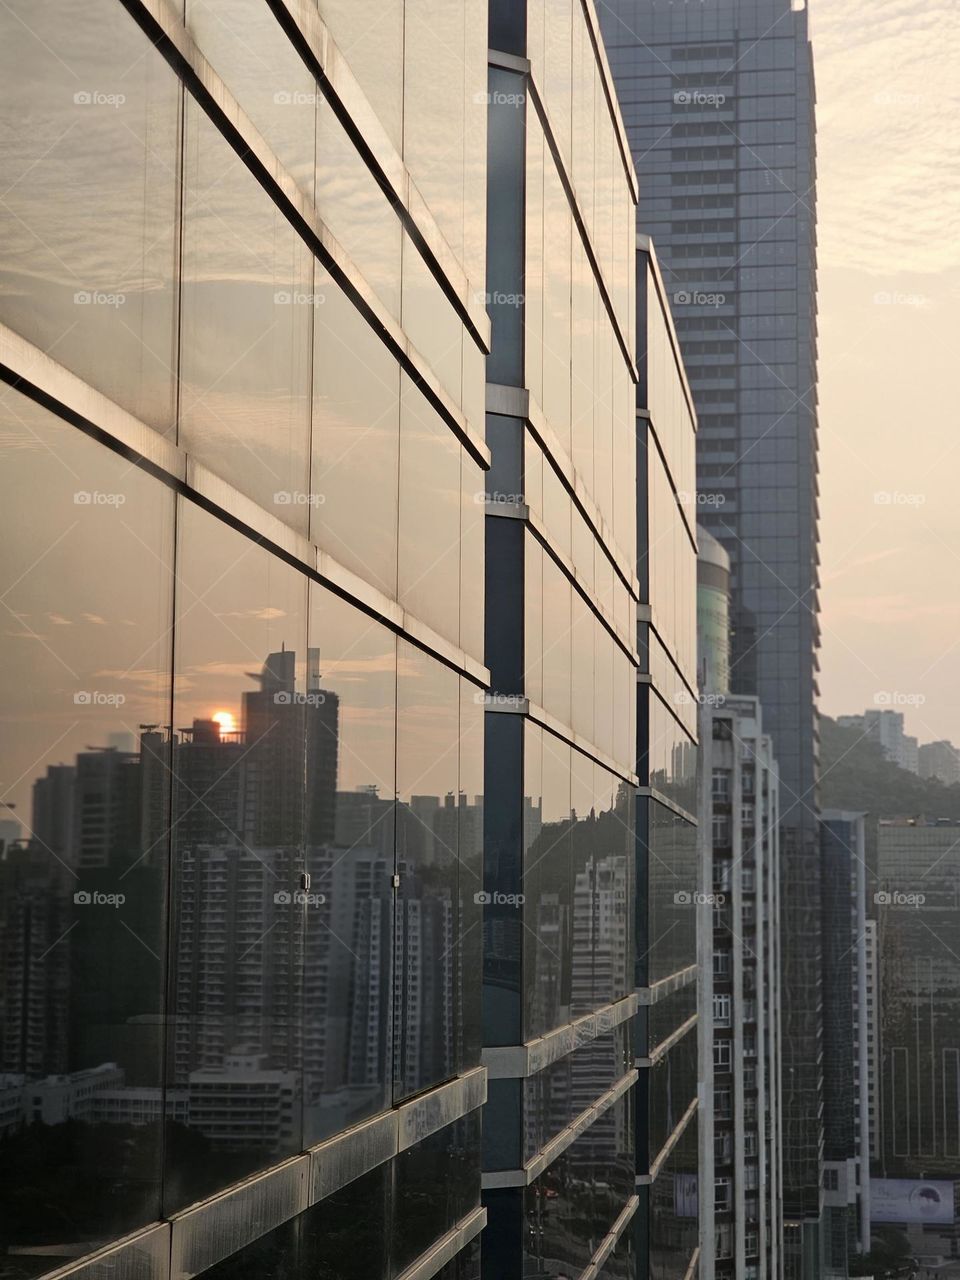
{"points": [[671, 913], [741, 1049], [562, 596], [242, 340], [915, 870], [846, 1029], [939, 760], [718, 100]]}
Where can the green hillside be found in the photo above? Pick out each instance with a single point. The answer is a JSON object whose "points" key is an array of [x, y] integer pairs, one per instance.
{"points": [[855, 775]]}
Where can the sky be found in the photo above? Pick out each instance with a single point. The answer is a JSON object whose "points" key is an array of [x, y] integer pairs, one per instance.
{"points": [[888, 118]]}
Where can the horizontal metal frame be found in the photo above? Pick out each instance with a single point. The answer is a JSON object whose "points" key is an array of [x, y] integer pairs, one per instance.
{"points": [[521, 511], [532, 1169], [312, 39], [610, 93], [208, 1232], [515, 704], [610, 1240], [562, 163], [645, 1179], [31, 371], [166, 31], [667, 803], [518, 1061], [559, 730], [603, 615], [517, 402], [691, 689], [660, 1051], [645, 244], [652, 433], [446, 1248], [658, 991], [691, 1271]]}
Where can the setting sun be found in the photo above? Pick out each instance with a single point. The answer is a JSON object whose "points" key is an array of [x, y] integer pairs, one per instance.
{"points": [[226, 720]]}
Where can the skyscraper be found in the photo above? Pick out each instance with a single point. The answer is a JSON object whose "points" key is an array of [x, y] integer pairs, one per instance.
{"points": [[718, 103], [741, 1050], [846, 1009]]}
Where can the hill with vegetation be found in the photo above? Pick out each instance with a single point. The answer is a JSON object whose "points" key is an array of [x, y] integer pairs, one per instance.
{"points": [[855, 774]]}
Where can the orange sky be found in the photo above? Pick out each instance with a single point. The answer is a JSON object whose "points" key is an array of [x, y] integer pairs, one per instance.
{"points": [[888, 76]]}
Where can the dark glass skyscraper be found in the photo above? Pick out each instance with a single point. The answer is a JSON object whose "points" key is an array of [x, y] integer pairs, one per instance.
{"points": [[718, 102]]}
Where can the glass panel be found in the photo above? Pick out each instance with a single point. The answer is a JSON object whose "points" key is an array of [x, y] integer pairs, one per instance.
{"points": [[429, 515], [248, 303], [437, 1183], [428, 723], [245, 711], [87, 584], [350, 858], [88, 221], [356, 441], [547, 962], [470, 852], [248, 48]]}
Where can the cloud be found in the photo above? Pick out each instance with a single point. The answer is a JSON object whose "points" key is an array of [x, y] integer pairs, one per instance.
{"points": [[888, 129]]}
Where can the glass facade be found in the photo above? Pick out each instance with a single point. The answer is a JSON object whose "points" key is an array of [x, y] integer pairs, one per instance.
{"points": [[718, 103], [243, 693], [560, 790], [668, 891]]}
